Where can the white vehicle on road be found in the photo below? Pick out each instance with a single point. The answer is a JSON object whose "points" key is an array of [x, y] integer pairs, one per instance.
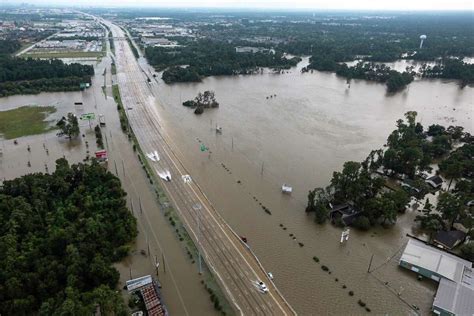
{"points": [[153, 156], [261, 286], [165, 175]]}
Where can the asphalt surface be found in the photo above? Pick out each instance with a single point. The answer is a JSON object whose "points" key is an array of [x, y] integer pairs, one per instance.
{"points": [[233, 264]]}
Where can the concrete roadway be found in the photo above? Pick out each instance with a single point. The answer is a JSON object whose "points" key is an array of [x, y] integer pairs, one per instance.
{"points": [[233, 264]]}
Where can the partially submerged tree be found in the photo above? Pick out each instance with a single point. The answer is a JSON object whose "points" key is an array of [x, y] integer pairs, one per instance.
{"points": [[450, 207], [69, 126], [317, 203], [202, 101]]}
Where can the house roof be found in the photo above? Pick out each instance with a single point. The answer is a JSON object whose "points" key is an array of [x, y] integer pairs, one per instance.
{"points": [[449, 239], [133, 285], [435, 179], [440, 262], [345, 209]]}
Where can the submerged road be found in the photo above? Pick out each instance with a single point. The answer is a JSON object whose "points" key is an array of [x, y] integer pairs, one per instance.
{"points": [[232, 263]]}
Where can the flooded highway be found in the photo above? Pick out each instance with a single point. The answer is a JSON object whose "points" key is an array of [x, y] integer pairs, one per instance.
{"points": [[315, 123]]}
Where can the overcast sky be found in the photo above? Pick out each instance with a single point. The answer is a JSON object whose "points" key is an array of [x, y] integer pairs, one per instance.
{"points": [[277, 4]]}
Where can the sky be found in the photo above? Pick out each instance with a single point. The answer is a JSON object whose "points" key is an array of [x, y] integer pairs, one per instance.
{"points": [[408, 5]]}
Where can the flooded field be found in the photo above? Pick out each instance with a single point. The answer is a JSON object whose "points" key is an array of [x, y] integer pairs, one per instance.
{"points": [[313, 125]]}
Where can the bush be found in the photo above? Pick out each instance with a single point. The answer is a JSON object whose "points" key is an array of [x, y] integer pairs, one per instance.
{"points": [[190, 103], [362, 223], [361, 303], [199, 110], [316, 259], [467, 251]]}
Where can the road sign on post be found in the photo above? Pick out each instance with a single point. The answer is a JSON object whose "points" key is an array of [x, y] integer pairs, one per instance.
{"points": [[88, 116]]}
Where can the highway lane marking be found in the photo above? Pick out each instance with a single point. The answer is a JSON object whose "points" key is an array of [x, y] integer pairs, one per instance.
{"points": [[156, 240], [208, 211], [220, 226]]}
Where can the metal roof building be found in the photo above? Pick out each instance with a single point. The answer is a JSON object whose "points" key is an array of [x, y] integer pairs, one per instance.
{"points": [[455, 295]]}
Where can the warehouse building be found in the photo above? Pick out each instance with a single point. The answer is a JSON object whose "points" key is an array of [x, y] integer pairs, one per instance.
{"points": [[455, 295]]}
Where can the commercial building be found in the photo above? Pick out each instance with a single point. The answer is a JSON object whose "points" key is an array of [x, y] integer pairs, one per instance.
{"points": [[455, 295], [149, 293]]}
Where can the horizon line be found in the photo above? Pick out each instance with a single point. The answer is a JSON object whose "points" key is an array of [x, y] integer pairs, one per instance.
{"points": [[234, 8]]}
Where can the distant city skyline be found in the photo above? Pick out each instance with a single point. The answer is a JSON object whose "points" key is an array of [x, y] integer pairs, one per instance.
{"points": [[401, 5]]}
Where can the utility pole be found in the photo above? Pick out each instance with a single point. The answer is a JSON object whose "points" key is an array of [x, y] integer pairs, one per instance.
{"points": [[370, 263], [263, 164], [164, 262], [232, 143], [140, 203], [123, 167], [148, 244], [116, 171]]}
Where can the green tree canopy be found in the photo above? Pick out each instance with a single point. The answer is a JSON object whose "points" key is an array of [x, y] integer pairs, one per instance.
{"points": [[61, 233]]}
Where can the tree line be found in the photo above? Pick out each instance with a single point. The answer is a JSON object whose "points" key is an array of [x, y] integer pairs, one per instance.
{"points": [[450, 68], [206, 57], [394, 80], [29, 76], [60, 234]]}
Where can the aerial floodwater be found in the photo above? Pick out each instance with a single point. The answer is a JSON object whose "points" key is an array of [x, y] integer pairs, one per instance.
{"points": [[277, 159], [311, 125]]}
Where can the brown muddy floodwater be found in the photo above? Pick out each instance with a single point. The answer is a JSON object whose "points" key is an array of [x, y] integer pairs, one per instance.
{"points": [[182, 290], [313, 125]]}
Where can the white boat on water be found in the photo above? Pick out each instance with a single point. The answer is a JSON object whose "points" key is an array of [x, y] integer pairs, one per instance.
{"points": [[286, 189]]}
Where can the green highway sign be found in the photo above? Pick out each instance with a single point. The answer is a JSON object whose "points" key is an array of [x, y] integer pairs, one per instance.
{"points": [[88, 116], [204, 148]]}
